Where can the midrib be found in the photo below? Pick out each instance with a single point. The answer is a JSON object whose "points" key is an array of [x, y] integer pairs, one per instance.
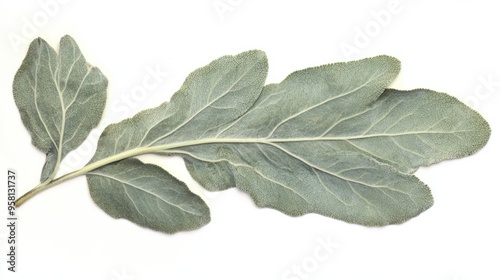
{"points": [[270, 141]]}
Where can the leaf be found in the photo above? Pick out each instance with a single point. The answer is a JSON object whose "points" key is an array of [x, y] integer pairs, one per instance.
{"points": [[146, 195], [328, 140], [60, 98]]}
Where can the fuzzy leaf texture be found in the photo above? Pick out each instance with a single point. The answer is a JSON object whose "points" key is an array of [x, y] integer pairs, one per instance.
{"points": [[148, 196], [330, 140], [60, 97]]}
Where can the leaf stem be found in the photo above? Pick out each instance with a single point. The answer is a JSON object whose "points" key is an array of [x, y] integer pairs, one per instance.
{"points": [[43, 186]]}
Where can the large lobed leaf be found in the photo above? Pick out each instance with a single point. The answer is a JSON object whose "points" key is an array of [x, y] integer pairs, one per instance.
{"points": [[329, 140], [60, 98]]}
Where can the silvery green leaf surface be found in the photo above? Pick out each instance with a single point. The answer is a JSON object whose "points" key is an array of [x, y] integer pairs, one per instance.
{"points": [[329, 140], [348, 182], [146, 195], [211, 97], [60, 97]]}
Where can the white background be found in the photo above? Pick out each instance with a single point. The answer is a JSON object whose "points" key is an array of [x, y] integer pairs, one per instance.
{"points": [[450, 46]]}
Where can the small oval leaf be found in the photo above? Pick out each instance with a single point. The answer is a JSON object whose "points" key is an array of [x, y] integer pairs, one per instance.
{"points": [[147, 195]]}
